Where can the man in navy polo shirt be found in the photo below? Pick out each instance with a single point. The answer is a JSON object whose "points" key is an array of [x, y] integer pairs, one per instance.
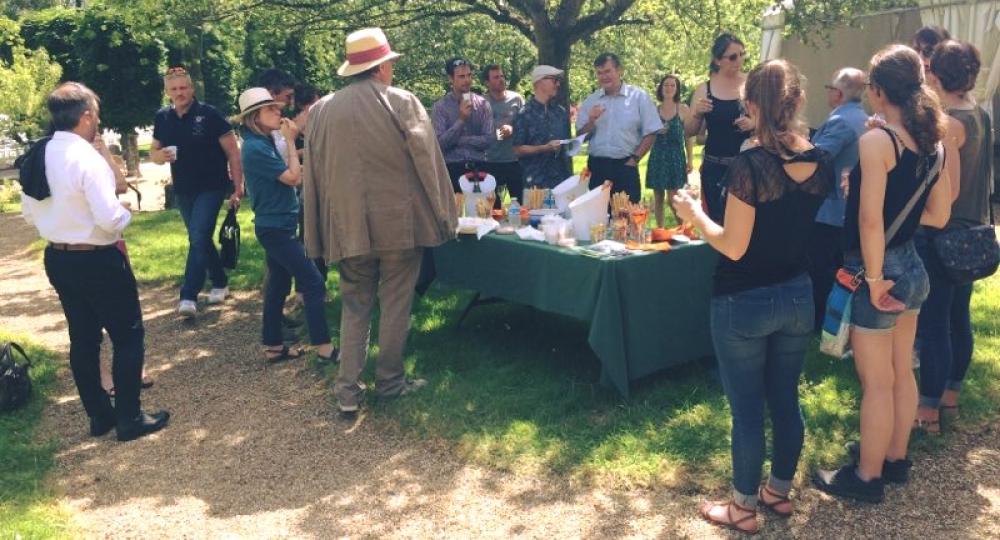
{"points": [[204, 158]]}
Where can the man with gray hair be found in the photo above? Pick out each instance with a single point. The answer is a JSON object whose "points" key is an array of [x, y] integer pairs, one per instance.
{"points": [[82, 222], [838, 136]]}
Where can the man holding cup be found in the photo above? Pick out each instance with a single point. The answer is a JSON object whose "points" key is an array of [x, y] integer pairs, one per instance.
{"points": [[204, 158], [621, 121], [463, 122], [500, 159]]}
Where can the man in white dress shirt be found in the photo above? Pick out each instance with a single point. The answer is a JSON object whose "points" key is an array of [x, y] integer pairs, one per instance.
{"points": [[82, 220]]}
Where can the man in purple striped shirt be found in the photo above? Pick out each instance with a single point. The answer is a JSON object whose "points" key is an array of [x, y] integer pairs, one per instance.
{"points": [[463, 122]]}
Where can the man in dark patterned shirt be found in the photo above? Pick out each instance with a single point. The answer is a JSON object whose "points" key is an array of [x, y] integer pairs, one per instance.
{"points": [[538, 130]]}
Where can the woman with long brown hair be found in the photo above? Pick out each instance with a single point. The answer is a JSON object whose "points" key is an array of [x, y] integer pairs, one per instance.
{"points": [[893, 167], [762, 306], [717, 108]]}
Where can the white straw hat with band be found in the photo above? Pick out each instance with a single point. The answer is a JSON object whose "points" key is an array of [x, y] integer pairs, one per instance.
{"points": [[252, 99], [366, 49]]}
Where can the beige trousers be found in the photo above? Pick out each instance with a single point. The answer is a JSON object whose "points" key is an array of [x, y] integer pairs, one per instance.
{"points": [[391, 275]]}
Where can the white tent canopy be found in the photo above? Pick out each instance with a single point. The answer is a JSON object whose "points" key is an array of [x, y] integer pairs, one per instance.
{"points": [[975, 21]]}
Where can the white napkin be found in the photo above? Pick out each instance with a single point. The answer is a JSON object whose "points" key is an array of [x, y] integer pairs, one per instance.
{"points": [[484, 228], [529, 233]]}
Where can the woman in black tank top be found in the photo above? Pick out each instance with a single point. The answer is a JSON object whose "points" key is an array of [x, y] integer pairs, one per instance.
{"points": [[724, 120], [893, 166]]}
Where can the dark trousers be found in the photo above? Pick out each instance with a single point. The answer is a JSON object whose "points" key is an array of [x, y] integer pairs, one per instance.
{"points": [[625, 178], [825, 256], [713, 190], [98, 292], [510, 177], [458, 168], [286, 258], [200, 212], [944, 329]]}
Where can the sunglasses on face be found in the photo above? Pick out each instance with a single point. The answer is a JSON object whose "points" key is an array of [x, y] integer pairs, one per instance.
{"points": [[553, 79], [735, 56], [926, 51]]}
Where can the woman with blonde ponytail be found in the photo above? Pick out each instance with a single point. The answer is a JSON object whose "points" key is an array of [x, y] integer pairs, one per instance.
{"points": [[892, 168], [762, 306]]}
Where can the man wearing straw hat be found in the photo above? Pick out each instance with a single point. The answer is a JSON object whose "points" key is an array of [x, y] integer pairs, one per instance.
{"points": [[376, 193]]}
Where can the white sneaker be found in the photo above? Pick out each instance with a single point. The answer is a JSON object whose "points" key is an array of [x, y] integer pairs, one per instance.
{"points": [[187, 309], [217, 296]]}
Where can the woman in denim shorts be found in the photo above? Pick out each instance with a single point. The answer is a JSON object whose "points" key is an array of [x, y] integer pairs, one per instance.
{"points": [[762, 307], [893, 164]]}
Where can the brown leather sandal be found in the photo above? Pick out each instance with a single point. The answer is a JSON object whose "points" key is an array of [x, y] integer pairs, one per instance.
{"points": [[736, 524], [779, 500]]}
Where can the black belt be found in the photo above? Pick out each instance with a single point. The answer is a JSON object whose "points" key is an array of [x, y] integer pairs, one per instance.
{"points": [[79, 247], [718, 160]]}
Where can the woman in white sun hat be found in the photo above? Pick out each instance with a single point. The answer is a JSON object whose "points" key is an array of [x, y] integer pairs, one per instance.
{"points": [[270, 182]]}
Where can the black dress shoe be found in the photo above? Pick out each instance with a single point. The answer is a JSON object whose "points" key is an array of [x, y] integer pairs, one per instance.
{"points": [[143, 425], [101, 426]]}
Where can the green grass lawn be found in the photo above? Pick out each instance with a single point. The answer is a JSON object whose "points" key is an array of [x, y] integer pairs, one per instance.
{"points": [[516, 388], [28, 507]]}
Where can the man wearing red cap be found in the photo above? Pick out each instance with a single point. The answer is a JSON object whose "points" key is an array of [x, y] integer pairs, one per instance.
{"points": [[376, 193]]}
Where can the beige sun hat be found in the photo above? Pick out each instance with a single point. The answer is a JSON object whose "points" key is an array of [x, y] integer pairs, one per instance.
{"points": [[252, 99], [366, 49], [542, 71]]}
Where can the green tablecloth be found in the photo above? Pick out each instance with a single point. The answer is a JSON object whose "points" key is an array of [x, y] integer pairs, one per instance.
{"points": [[646, 312]]}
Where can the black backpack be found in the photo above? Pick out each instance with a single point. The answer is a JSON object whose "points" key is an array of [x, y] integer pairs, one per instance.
{"points": [[15, 383]]}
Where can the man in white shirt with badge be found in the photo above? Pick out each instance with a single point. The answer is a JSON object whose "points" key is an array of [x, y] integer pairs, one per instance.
{"points": [[82, 221]]}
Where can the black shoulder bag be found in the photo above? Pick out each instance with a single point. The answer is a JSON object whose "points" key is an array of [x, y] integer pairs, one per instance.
{"points": [[229, 240], [968, 253], [15, 383]]}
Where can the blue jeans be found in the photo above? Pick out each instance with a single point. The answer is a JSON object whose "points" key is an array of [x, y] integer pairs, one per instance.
{"points": [[760, 338], [200, 212], [287, 258], [944, 330]]}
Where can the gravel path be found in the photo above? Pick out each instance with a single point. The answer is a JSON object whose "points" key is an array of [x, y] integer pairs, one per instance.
{"points": [[258, 453]]}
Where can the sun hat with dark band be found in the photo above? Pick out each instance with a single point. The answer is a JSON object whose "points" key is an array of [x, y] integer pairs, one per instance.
{"points": [[366, 49], [252, 99]]}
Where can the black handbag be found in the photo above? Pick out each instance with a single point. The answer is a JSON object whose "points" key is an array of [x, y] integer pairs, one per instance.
{"points": [[15, 383], [229, 240], [968, 253]]}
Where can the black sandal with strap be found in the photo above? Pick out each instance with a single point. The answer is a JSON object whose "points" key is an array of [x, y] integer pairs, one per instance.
{"points": [[730, 523], [282, 355], [773, 506]]}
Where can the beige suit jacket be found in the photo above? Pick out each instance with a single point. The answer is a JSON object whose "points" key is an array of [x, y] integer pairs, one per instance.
{"points": [[374, 176]]}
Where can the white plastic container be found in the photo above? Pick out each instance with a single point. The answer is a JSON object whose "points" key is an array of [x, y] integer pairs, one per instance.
{"points": [[567, 191], [588, 209]]}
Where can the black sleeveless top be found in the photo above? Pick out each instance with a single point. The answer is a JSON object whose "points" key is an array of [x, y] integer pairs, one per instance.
{"points": [[901, 183], [784, 213], [724, 138]]}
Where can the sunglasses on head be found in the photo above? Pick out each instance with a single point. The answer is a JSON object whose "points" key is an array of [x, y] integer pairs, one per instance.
{"points": [[176, 70], [459, 62], [736, 55]]}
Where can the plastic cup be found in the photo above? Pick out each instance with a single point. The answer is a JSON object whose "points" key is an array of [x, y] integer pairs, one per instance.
{"points": [[172, 150]]}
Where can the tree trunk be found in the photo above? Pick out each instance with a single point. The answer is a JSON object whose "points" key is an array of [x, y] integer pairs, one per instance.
{"points": [[192, 52], [554, 50], [130, 151]]}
